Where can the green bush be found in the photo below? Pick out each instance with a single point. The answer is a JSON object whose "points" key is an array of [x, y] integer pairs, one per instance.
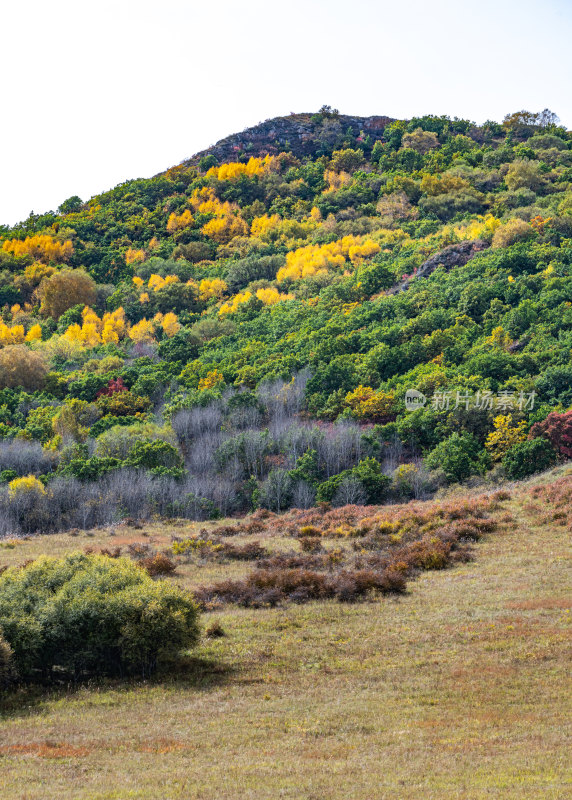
{"points": [[367, 473], [89, 469], [459, 456], [6, 664], [526, 458], [90, 615], [153, 454]]}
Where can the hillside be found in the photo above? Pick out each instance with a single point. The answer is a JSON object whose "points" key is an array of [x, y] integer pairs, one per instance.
{"points": [[459, 688], [320, 309]]}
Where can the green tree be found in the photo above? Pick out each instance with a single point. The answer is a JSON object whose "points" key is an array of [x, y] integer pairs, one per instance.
{"points": [[459, 456]]}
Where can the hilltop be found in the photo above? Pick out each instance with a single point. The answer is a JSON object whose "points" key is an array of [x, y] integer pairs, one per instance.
{"points": [[300, 134]]}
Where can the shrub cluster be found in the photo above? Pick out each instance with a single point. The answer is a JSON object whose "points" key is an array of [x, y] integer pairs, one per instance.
{"points": [[90, 615], [386, 549], [270, 587]]}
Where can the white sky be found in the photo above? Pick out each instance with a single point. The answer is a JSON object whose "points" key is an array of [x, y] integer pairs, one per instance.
{"points": [[95, 93]]}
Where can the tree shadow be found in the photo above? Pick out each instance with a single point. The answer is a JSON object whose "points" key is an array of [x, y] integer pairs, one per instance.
{"points": [[187, 672]]}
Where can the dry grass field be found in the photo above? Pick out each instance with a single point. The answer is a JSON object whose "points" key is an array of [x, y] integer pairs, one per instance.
{"points": [[459, 688]]}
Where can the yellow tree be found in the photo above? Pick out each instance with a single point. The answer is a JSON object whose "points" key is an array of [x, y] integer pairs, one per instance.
{"points": [[34, 334], [371, 405], [223, 229], [211, 287], [170, 324], [212, 379], [133, 256], [142, 331], [504, 436], [40, 246]]}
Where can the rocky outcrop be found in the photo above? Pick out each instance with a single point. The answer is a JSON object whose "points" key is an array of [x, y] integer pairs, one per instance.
{"points": [[301, 134], [454, 255]]}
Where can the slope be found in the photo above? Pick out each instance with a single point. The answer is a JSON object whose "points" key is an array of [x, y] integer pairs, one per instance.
{"points": [[459, 689]]}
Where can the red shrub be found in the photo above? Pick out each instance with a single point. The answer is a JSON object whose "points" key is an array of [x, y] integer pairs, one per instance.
{"points": [[557, 428], [159, 564]]}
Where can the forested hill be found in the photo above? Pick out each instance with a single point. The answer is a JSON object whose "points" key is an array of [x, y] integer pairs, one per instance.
{"points": [[242, 329]]}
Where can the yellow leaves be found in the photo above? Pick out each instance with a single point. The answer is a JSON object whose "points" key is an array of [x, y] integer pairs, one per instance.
{"points": [[116, 320], [262, 226], [34, 334], [157, 282], [133, 256], [73, 334], [138, 281], [211, 287], [483, 227], [27, 485], [33, 275], [109, 334], [233, 171], [212, 379], [311, 260], [389, 237], [320, 259], [336, 180], [144, 297], [214, 206], [93, 330], [272, 296], [206, 202], [41, 246], [178, 222], [366, 403], [515, 230], [90, 335], [113, 327], [143, 331], [170, 324], [89, 316], [200, 196], [227, 223], [499, 338], [358, 252], [12, 335], [86, 334], [504, 436], [235, 302], [223, 229], [289, 232]]}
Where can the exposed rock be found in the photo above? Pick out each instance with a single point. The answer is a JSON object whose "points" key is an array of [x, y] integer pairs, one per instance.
{"points": [[302, 134], [454, 255]]}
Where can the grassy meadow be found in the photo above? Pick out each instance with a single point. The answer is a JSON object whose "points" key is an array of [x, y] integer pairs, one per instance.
{"points": [[458, 688]]}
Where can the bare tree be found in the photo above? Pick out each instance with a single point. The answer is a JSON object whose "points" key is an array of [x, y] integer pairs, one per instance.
{"points": [[25, 457], [303, 495], [276, 489], [350, 492]]}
